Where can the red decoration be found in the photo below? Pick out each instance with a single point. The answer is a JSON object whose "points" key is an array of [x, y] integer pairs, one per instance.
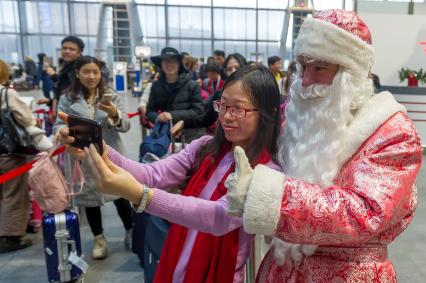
{"points": [[412, 81]]}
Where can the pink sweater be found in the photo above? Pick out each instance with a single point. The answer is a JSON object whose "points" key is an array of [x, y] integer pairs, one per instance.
{"points": [[198, 214]]}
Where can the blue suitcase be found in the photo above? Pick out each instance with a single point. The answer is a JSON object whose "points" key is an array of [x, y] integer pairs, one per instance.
{"points": [[155, 236], [61, 235]]}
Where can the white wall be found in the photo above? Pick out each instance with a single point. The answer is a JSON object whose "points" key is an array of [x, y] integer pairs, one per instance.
{"points": [[396, 41]]}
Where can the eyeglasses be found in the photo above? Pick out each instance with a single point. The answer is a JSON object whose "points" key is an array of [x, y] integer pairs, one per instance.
{"points": [[221, 108]]}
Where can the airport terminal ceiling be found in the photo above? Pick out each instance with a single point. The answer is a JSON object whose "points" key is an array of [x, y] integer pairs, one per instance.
{"points": [[255, 28]]}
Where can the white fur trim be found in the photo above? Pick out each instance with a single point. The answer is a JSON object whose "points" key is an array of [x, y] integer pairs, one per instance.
{"points": [[325, 41], [263, 202], [369, 118]]}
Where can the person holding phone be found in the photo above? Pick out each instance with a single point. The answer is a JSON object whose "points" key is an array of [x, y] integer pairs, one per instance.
{"points": [[204, 243], [89, 97]]}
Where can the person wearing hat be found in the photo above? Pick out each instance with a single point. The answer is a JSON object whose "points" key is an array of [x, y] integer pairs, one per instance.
{"points": [[174, 96], [350, 162]]}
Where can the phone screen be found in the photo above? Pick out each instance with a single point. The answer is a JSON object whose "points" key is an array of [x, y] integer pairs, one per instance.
{"points": [[85, 132]]}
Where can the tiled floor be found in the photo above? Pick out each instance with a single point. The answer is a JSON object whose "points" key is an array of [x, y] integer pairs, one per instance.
{"points": [[408, 252]]}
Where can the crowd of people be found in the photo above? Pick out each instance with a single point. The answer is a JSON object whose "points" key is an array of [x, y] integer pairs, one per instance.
{"points": [[316, 159]]}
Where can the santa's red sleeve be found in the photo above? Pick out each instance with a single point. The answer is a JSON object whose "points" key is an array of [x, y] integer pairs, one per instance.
{"points": [[373, 192]]}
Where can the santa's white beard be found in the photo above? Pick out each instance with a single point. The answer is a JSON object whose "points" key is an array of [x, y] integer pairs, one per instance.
{"points": [[317, 121]]}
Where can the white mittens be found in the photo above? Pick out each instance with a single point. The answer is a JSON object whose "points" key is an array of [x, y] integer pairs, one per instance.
{"points": [[238, 182]]}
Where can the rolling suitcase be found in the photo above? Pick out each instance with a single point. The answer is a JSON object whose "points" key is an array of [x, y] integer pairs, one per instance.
{"points": [[62, 246], [155, 235]]}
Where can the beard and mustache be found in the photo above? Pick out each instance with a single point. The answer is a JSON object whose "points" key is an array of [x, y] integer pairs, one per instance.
{"points": [[317, 126]]}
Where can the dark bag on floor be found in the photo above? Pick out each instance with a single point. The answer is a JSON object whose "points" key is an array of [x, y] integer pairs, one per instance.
{"points": [[12, 135], [155, 236], [62, 246], [138, 234]]}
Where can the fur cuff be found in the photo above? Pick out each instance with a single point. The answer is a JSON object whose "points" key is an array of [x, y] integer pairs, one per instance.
{"points": [[263, 203]]}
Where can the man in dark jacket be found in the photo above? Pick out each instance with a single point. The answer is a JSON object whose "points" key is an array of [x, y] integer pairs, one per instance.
{"points": [[175, 97], [71, 50]]}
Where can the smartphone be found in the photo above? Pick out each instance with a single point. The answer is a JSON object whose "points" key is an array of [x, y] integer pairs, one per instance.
{"points": [[85, 131], [106, 98]]}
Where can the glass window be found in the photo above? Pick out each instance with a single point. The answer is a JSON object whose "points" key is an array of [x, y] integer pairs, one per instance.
{"points": [[150, 1], [330, 4], [9, 18], [268, 49], [32, 17], [152, 20], [234, 24], [10, 48], [189, 22], [80, 18], [33, 43], [93, 11], [51, 45], [47, 17], [197, 48], [86, 18], [273, 4], [245, 48], [236, 3], [156, 45], [270, 25], [190, 2]]}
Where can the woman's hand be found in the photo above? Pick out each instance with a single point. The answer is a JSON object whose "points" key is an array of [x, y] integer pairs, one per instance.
{"points": [[63, 137], [176, 130], [109, 108], [111, 179], [164, 117]]}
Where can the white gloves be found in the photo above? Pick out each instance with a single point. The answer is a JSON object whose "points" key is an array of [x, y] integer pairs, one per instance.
{"points": [[238, 182], [297, 251]]}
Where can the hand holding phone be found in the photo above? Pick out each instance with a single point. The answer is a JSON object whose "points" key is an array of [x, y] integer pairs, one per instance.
{"points": [[106, 98], [85, 132], [107, 106]]}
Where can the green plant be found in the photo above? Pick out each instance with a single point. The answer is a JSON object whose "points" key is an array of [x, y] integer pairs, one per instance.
{"points": [[419, 75]]}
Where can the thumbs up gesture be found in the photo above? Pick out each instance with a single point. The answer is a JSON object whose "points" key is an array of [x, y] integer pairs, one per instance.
{"points": [[238, 182]]}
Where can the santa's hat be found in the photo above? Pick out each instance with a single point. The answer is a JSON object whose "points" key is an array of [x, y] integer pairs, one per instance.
{"points": [[338, 37]]}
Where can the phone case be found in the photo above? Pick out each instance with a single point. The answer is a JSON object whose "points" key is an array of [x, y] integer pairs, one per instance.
{"points": [[86, 132]]}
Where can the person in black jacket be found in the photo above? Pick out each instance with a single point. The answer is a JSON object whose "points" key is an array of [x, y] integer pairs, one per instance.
{"points": [[232, 63], [174, 96], [71, 49]]}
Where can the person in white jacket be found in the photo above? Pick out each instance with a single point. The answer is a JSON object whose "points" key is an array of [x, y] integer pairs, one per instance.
{"points": [[14, 197]]}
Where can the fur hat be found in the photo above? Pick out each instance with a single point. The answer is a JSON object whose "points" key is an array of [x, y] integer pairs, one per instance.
{"points": [[338, 37]]}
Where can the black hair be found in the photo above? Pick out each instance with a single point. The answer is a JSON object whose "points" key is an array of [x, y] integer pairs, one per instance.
{"points": [[219, 53], [184, 53], [74, 39], [238, 57], [259, 83], [76, 86], [272, 60], [213, 67], [40, 57], [292, 69], [376, 82]]}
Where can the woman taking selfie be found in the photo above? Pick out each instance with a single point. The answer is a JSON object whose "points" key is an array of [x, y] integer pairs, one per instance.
{"points": [[204, 244], [89, 97]]}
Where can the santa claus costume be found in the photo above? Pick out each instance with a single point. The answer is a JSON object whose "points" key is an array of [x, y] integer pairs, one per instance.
{"points": [[350, 161]]}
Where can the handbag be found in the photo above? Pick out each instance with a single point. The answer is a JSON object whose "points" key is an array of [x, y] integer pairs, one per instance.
{"points": [[157, 142], [48, 184], [12, 134]]}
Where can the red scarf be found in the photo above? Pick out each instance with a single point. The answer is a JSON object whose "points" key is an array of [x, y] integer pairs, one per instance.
{"points": [[213, 259]]}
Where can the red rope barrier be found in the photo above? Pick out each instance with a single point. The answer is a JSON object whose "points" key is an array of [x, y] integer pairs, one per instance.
{"points": [[27, 167], [24, 168]]}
